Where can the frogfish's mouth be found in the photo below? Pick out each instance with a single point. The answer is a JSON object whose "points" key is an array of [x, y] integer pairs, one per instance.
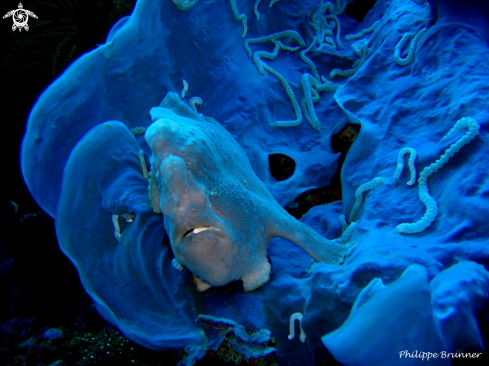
{"points": [[197, 230]]}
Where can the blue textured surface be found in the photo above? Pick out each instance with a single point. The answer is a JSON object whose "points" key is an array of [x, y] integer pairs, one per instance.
{"points": [[408, 305], [133, 282]]}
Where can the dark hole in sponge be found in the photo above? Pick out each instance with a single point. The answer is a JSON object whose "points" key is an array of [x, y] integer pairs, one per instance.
{"points": [[357, 9], [340, 143], [282, 167]]}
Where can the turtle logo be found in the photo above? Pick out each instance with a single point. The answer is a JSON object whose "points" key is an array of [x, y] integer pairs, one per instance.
{"points": [[20, 17]]}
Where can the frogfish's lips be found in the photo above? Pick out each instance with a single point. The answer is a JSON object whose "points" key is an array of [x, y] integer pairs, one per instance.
{"points": [[200, 229]]}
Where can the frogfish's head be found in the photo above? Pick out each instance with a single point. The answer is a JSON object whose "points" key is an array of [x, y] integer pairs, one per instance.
{"points": [[206, 234]]}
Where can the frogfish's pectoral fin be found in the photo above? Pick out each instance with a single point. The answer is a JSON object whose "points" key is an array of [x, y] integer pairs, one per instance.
{"points": [[200, 284], [318, 247], [259, 276]]}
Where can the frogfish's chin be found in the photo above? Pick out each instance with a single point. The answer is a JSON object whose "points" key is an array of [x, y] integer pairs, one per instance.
{"points": [[209, 254]]}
